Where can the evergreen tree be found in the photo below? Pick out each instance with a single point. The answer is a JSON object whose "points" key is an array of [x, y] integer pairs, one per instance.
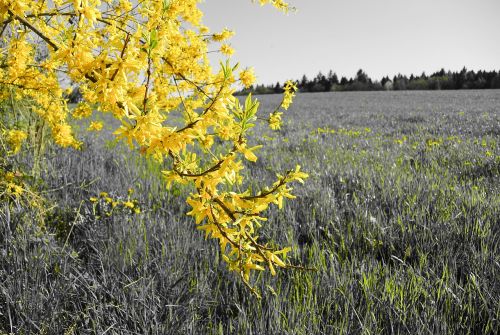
{"points": [[332, 78], [277, 88], [362, 77]]}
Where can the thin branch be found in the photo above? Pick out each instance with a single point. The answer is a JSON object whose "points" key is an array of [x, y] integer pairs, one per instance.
{"points": [[265, 194], [122, 54], [192, 124], [146, 91], [35, 30], [5, 24]]}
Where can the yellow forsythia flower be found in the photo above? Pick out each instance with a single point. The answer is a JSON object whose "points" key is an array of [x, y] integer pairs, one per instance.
{"points": [[247, 77], [224, 35], [95, 126], [207, 142], [290, 90], [15, 138], [275, 120], [226, 50], [280, 4], [62, 135], [81, 111]]}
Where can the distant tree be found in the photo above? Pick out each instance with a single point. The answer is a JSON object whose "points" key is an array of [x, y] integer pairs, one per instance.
{"points": [[400, 82], [440, 73], [433, 83], [495, 83], [384, 80], [460, 78], [480, 81], [440, 80], [321, 83], [277, 88], [362, 77], [332, 78], [303, 83], [418, 83]]}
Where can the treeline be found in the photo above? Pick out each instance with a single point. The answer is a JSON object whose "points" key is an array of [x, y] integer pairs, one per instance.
{"points": [[441, 80]]}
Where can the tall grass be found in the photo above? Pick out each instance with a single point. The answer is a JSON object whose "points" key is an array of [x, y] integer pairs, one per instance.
{"points": [[400, 217]]}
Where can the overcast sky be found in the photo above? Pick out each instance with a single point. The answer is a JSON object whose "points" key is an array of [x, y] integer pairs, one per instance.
{"points": [[383, 37]]}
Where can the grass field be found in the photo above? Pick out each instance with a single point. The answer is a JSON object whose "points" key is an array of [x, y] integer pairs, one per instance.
{"points": [[400, 217]]}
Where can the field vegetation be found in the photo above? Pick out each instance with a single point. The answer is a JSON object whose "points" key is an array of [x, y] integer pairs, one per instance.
{"points": [[400, 219]]}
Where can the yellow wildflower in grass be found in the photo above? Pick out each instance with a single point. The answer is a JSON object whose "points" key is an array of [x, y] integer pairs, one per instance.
{"points": [[95, 126], [433, 142], [14, 189], [128, 204], [15, 138], [9, 176], [401, 141], [247, 77]]}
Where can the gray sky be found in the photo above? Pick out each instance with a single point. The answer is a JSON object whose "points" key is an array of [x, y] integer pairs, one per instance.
{"points": [[383, 37]]}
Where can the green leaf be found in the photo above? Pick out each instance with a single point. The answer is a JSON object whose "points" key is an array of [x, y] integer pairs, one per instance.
{"points": [[153, 39], [226, 69], [166, 5]]}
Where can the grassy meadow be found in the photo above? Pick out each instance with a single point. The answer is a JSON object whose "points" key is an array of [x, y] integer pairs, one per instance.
{"points": [[400, 217]]}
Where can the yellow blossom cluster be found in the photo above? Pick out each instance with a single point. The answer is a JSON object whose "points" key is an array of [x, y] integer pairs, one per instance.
{"points": [[290, 89], [15, 138], [146, 63], [226, 49], [105, 205], [10, 185], [275, 120], [280, 4], [95, 126], [14, 189], [82, 110], [247, 77]]}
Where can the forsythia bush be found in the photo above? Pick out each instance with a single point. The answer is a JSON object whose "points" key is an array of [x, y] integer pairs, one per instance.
{"points": [[146, 63]]}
